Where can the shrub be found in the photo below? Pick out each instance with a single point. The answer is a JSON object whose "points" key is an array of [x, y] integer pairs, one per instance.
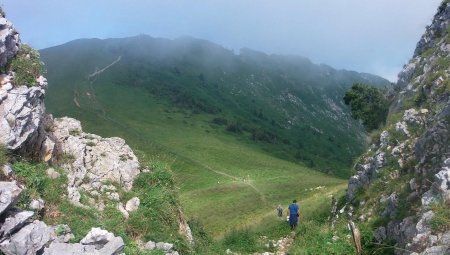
{"points": [[367, 104], [220, 121], [441, 219], [234, 127], [90, 143], [74, 132], [27, 65]]}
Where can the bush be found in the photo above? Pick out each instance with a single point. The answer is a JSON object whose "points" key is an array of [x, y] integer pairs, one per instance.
{"points": [[367, 104], [27, 65], [220, 121], [234, 127], [441, 219]]}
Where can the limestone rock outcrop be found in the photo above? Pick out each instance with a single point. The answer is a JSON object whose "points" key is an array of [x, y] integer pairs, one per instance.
{"points": [[418, 146], [91, 160], [21, 110], [19, 235], [9, 41], [99, 168], [28, 240], [9, 194]]}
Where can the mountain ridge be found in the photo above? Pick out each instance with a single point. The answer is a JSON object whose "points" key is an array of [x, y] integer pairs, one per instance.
{"points": [[266, 96]]}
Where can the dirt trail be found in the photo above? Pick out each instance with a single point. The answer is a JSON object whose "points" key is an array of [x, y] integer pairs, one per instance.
{"points": [[97, 72], [238, 179]]}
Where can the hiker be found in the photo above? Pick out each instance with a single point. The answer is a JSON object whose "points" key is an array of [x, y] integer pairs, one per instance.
{"points": [[294, 212], [280, 211]]}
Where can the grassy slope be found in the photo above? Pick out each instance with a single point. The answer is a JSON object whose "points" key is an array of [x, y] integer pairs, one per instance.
{"points": [[225, 182]]}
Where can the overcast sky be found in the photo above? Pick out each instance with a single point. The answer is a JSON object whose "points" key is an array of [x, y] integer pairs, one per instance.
{"points": [[375, 36]]}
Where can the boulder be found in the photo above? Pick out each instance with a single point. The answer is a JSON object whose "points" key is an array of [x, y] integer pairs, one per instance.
{"points": [[37, 204], [7, 171], [132, 204], [14, 221], [28, 240], [9, 194], [113, 247], [150, 245], [167, 247], [98, 237], [121, 209], [96, 242]]}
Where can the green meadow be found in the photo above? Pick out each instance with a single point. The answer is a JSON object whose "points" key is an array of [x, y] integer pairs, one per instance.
{"points": [[225, 181]]}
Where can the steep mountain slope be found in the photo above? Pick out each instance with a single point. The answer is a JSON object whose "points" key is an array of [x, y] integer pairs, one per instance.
{"points": [[402, 186], [284, 104], [59, 184]]}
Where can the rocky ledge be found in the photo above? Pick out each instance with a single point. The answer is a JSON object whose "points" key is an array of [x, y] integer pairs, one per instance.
{"points": [[21, 235]]}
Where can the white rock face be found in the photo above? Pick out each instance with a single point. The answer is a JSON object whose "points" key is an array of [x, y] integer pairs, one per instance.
{"points": [[94, 160], [103, 159], [14, 222], [9, 41], [21, 109], [411, 116], [29, 240], [9, 194]]}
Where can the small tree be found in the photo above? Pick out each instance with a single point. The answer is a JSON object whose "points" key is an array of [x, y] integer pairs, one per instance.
{"points": [[367, 104]]}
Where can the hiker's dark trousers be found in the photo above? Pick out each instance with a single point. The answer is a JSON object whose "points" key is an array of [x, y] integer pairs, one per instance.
{"points": [[293, 219]]}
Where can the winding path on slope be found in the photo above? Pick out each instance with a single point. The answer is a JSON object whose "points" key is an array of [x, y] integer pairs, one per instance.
{"points": [[283, 244]]}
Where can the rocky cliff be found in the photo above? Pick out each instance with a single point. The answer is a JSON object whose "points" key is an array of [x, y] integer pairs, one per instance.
{"points": [[402, 184], [98, 171]]}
